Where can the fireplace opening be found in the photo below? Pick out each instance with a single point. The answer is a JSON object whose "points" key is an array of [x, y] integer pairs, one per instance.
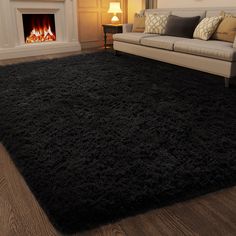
{"points": [[39, 28]]}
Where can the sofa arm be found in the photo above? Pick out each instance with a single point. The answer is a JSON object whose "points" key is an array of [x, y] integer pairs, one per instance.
{"points": [[234, 42], [127, 28]]}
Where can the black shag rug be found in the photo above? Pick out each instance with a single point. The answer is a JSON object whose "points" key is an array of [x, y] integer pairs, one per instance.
{"points": [[99, 137]]}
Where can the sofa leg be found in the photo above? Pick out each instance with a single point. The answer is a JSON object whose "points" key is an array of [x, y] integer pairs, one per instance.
{"points": [[226, 82], [115, 52]]}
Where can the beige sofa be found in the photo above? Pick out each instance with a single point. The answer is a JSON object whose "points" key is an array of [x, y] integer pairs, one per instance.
{"points": [[215, 57]]}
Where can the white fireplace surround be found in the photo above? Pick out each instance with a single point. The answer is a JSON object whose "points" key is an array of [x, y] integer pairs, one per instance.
{"points": [[12, 41]]}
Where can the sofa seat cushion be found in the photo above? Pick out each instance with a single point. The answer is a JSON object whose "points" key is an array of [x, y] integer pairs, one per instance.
{"points": [[211, 48], [163, 42], [132, 37]]}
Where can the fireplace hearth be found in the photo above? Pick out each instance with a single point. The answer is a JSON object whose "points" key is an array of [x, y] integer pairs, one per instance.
{"points": [[39, 28]]}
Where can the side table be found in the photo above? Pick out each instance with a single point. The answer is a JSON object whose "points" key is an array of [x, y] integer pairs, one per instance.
{"points": [[111, 29]]}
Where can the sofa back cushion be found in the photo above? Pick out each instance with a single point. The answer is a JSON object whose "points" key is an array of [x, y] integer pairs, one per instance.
{"points": [[217, 12], [181, 26], [185, 12], [189, 13], [226, 31], [158, 11], [139, 23]]}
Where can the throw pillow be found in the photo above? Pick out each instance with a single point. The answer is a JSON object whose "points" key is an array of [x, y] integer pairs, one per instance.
{"points": [[155, 24], [139, 23], [181, 26], [207, 27], [226, 31]]}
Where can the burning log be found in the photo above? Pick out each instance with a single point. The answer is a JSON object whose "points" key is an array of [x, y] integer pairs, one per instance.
{"points": [[41, 34]]}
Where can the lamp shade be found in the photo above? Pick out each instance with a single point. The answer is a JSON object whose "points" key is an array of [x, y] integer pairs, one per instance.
{"points": [[114, 7]]}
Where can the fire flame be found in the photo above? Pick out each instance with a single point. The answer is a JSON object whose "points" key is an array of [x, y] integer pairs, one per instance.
{"points": [[41, 34]]}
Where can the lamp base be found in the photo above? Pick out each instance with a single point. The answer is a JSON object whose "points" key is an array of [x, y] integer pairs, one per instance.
{"points": [[115, 20]]}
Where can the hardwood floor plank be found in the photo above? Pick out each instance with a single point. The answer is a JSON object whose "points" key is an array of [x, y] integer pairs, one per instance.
{"points": [[204, 219], [222, 210], [7, 219], [3, 183], [107, 230]]}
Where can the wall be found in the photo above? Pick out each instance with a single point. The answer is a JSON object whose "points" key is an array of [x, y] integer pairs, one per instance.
{"points": [[133, 7], [196, 3], [91, 15]]}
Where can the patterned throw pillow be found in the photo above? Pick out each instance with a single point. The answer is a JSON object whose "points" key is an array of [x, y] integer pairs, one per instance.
{"points": [[207, 27], [155, 24], [139, 23]]}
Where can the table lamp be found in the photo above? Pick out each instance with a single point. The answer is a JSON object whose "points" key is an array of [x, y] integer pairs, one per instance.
{"points": [[114, 8]]}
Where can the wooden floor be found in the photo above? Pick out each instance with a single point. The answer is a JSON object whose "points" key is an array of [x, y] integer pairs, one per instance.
{"points": [[20, 214]]}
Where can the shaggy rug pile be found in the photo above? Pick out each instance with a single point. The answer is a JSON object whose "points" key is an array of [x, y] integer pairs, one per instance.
{"points": [[99, 137]]}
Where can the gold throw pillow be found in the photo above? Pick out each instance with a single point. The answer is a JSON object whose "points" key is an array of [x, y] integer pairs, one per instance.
{"points": [[139, 23], [226, 31]]}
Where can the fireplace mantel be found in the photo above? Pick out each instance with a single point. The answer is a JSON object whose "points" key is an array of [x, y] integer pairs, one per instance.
{"points": [[12, 45]]}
